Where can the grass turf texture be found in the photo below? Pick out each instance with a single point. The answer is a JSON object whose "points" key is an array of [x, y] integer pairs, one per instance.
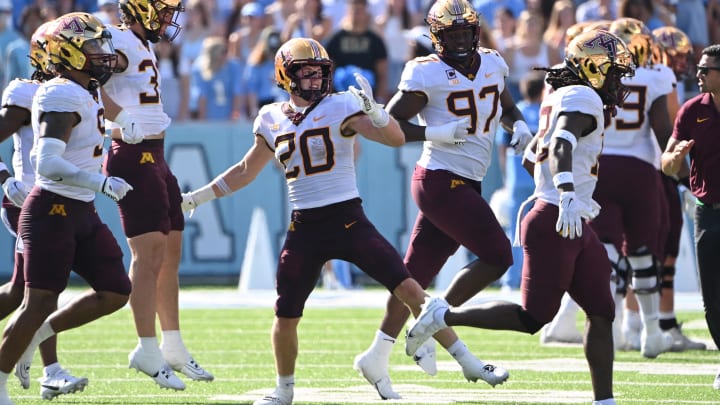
{"points": [[234, 344]]}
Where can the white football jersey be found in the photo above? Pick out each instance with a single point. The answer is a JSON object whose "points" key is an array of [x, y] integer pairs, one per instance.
{"points": [[85, 146], [453, 96], [585, 156], [137, 89], [319, 162], [20, 93], [630, 133]]}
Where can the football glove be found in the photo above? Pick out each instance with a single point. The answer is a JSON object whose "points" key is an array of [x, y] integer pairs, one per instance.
{"points": [[454, 132], [521, 137], [15, 190], [130, 131], [569, 223], [379, 117], [115, 187]]}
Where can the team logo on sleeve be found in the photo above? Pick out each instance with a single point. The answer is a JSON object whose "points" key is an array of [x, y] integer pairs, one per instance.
{"points": [[452, 76]]}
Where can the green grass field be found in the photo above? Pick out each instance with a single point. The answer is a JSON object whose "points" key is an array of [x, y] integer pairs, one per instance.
{"points": [[234, 344]]}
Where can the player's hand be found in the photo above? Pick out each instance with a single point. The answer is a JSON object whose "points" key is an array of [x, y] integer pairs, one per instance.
{"points": [[454, 132], [364, 97], [130, 130], [521, 137], [115, 187], [569, 223], [15, 190]]}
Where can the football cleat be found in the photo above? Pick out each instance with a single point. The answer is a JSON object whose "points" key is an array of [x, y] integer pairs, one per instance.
{"points": [[489, 373], [62, 382], [425, 357], [192, 370], [274, 399], [156, 369], [682, 342], [375, 371], [652, 345], [22, 372], [716, 383], [430, 321]]}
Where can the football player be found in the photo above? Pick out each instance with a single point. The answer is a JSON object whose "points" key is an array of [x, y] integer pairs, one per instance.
{"points": [[15, 120], [59, 229], [561, 252], [151, 217], [674, 50], [459, 97], [312, 137]]}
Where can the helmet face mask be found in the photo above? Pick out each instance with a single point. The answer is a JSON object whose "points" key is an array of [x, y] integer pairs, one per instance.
{"points": [[289, 62], [81, 43], [601, 59], [673, 49], [158, 17], [454, 29]]}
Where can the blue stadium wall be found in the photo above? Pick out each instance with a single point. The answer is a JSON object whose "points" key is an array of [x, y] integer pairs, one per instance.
{"points": [[216, 235]]}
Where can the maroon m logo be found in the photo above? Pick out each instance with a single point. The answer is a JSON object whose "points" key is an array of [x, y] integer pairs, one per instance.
{"points": [[73, 24], [605, 41]]}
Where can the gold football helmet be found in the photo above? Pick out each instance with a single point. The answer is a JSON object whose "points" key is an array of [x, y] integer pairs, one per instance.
{"points": [[292, 56], [454, 28], [673, 49], [572, 31], [156, 16], [638, 38], [601, 59], [39, 58], [79, 41]]}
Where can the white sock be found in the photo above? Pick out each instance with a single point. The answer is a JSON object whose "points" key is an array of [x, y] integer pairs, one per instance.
{"points": [[632, 319], [43, 332], [285, 385], [462, 355], [3, 380], [51, 369], [457, 349], [149, 345], [667, 315], [382, 345], [172, 342], [609, 401], [649, 311]]}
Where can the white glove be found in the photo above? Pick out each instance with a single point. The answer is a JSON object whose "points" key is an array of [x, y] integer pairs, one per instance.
{"points": [[521, 136], [115, 188], [188, 203], [454, 132], [131, 131], [15, 190], [364, 96], [192, 199], [569, 223]]}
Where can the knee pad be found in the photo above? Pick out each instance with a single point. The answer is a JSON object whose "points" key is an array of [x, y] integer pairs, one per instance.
{"points": [[529, 322], [645, 272]]}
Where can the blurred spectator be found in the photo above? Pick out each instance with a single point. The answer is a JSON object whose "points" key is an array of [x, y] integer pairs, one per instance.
{"points": [[7, 35], [503, 30], [713, 21], [393, 23], [561, 18], [215, 82], [689, 18], [259, 76], [108, 12], [487, 8], [175, 79], [527, 51], [420, 43], [355, 44], [644, 10], [195, 29], [252, 22], [16, 60], [308, 21], [593, 10], [335, 9], [279, 12], [485, 35]]}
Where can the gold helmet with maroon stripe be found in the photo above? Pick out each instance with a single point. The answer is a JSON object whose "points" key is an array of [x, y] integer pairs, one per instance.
{"points": [[289, 60], [39, 58], [673, 49], [454, 29], [79, 41], [638, 38], [158, 17]]}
